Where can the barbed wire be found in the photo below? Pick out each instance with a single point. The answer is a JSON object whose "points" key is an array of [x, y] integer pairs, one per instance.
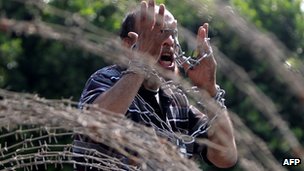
{"points": [[108, 128]]}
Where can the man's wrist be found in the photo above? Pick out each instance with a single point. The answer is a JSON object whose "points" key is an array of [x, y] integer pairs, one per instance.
{"points": [[218, 96]]}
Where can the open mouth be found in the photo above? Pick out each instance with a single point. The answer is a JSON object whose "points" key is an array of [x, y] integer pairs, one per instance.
{"points": [[166, 60]]}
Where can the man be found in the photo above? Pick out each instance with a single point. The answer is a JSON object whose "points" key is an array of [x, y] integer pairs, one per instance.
{"points": [[151, 31]]}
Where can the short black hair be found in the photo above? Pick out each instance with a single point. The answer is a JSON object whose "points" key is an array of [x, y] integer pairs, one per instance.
{"points": [[128, 25]]}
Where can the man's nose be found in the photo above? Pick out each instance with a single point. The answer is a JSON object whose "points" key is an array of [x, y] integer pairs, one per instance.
{"points": [[169, 41]]}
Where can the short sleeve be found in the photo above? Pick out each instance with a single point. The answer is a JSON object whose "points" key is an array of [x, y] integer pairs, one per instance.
{"points": [[99, 82]]}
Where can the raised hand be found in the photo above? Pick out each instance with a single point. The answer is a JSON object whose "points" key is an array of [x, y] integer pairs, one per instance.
{"points": [[149, 26], [203, 75]]}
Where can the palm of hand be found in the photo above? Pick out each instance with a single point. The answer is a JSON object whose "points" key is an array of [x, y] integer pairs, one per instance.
{"points": [[150, 37], [204, 74]]}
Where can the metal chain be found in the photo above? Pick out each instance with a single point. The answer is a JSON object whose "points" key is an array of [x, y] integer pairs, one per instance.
{"points": [[182, 140]]}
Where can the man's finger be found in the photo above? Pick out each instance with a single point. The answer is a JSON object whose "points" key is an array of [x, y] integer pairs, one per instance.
{"points": [[143, 12], [206, 27], [187, 67], [201, 35], [160, 17], [151, 13]]}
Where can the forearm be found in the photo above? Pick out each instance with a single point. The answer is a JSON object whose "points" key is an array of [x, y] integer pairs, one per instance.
{"points": [[221, 133], [119, 97]]}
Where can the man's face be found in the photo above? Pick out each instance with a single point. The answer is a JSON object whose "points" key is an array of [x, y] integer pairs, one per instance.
{"points": [[168, 49], [167, 54]]}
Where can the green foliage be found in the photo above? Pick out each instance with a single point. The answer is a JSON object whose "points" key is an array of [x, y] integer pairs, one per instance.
{"points": [[46, 67], [10, 49], [105, 14], [53, 72], [281, 18]]}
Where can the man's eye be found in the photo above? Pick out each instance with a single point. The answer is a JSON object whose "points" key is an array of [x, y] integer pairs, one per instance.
{"points": [[173, 32]]}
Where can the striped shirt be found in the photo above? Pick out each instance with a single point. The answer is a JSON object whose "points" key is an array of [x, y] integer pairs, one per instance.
{"points": [[172, 117]]}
